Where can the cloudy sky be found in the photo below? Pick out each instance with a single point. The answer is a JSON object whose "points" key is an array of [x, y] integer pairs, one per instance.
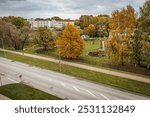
{"points": [[63, 8]]}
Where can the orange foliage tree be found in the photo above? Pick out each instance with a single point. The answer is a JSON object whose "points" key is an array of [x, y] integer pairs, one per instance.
{"points": [[70, 44], [122, 26]]}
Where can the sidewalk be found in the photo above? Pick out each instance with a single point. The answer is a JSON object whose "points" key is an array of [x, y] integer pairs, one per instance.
{"points": [[115, 73], [2, 97]]}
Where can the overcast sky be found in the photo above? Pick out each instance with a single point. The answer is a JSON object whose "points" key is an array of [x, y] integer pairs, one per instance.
{"points": [[63, 8]]}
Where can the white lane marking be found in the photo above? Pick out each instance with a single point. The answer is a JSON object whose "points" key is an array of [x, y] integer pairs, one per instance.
{"points": [[12, 80], [76, 88], [91, 93], [104, 97]]}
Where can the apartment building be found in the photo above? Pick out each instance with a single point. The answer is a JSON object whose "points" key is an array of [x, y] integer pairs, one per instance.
{"points": [[39, 23], [50, 24]]}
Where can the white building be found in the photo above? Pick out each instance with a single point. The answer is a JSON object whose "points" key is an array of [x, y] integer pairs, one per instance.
{"points": [[50, 24], [60, 24], [39, 23]]}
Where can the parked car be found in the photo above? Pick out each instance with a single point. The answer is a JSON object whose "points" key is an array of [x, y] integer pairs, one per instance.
{"points": [[85, 37]]}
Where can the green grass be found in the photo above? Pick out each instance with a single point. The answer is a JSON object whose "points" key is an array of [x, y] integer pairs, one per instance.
{"points": [[101, 62], [122, 83], [25, 92], [84, 58]]}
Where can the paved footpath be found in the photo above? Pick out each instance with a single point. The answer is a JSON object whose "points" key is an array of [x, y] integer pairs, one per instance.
{"points": [[115, 73], [2, 97]]}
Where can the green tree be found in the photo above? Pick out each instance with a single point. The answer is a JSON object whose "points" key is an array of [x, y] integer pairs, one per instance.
{"points": [[19, 22], [4, 34], [70, 44], [102, 29], [102, 26], [144, 25], [15, 31], [137, 47], [56, 18], [44, 38]]}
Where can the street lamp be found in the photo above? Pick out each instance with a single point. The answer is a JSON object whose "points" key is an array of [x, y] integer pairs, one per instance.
{"points": [[59, 57], [1, 78], [3, 47]]}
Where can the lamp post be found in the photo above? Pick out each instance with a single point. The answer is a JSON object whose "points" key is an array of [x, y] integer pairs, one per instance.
{"points": [[1, 78], [59, 57], [3, 47]]}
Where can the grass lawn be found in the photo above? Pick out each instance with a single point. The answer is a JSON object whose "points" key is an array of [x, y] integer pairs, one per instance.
{"points": [[101, 62], [84, 58], [122, 83], [25, 92]]}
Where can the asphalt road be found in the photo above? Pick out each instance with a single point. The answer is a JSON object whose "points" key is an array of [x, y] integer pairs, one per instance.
{"points": [[102, 70], [64, 86]]}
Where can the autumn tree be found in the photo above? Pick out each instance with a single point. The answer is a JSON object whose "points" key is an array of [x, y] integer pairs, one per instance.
{"points": [[15, 31], [102, 29], [70, 44], [91, 30], [44, 38], [122, 25], [102, 26], [19, 22], [86, 20], [4, 34], [117, 48]]}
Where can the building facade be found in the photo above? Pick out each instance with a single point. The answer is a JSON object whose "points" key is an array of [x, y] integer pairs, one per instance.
{"points": [[35, 24]]}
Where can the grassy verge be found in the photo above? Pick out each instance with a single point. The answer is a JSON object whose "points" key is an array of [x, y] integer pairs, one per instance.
{"points": [[100, 62], [25, 92], [122, 83]]}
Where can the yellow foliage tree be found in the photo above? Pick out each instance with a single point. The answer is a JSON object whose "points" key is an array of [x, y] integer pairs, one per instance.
{"points": [[122, 26], [123, 21], [70, 44], [91, 30], [118, 48], [103, 19]]}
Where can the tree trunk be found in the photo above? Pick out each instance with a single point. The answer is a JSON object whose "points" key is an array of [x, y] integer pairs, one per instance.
{"points": [[24, 42]]}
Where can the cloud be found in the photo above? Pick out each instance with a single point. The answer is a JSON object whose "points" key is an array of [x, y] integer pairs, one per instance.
{"points": [[64, 8]]}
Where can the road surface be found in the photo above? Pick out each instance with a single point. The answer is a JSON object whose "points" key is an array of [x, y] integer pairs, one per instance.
{"points": [[64, 86], [115, 73]]}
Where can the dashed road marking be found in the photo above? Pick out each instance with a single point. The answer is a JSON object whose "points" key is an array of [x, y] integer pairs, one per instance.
{"points": [[91, 93], [104, 97], [12, 80], [76, 88]]}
